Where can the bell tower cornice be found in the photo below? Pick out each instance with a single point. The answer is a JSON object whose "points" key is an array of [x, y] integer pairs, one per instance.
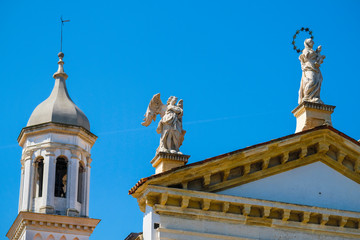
{"points": [[56, 128]]}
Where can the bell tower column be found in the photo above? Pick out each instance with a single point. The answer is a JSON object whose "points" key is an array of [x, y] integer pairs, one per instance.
{"points": [[73, 185], [47, 205], [27, 182], [87, 186]]}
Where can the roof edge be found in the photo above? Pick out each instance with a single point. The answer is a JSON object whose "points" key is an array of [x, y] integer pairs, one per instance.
{"points": [[143, 180]]}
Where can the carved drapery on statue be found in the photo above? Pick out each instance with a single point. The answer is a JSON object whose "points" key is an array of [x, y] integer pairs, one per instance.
{"points": [[170, 125], [311, 75]]}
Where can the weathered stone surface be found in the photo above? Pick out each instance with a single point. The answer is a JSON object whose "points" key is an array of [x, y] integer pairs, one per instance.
{"points": [[309, 115], [166, 161], [311, 75], [170, 125]]}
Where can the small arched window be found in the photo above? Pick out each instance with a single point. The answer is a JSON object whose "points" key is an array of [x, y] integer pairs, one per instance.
{"points": [[81, 175], [38, 237], [39, 173], [61, 177], [51, 237]]}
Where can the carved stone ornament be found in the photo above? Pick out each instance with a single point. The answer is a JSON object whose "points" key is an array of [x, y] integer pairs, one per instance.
{"points": [[28, 154], [170, 125], [311, 75]]}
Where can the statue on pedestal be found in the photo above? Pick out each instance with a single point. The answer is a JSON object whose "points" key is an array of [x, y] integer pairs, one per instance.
{"points": [[170, 125], [311, 75]]}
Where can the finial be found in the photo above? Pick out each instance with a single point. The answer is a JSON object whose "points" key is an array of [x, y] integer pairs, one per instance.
{"points": [[60, 72], [61, 55]]}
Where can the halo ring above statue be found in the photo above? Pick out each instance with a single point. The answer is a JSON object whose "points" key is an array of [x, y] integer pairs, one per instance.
{"points": [[298, 50], [170, 125]]}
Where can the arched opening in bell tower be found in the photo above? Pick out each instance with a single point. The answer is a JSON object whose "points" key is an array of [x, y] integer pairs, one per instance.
{"points": [[61, 177], [81, 175], [39, 173]]}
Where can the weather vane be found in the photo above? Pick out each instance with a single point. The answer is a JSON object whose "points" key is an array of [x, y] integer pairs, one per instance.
{"points": [[298, 50], [62, 23]]}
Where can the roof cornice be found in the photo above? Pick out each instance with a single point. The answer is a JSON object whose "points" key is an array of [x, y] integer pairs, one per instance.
{"points": [[256, 153]]}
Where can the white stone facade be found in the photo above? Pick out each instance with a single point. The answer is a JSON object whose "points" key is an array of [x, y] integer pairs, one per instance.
{"points": [[48, 147], [170, 222], [55, 184], [315, 184], [302, 186], [196, 229]]}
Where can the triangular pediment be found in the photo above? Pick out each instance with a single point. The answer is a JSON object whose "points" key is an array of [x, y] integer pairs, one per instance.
{"points": [[327, 148], [315, 184]]}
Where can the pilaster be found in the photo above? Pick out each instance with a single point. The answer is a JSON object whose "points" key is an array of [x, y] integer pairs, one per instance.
{"points": [[49, 182], [28, 182], [87, 189], [73, 169], [21, 185]]}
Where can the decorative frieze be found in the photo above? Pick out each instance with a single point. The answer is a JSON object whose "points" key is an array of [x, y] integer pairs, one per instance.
{"points": [[251, 211], [171, 156], [54, 223], [165, 161]]}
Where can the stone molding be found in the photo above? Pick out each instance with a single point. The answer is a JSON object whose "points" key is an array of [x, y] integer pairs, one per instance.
{"points": [[165, 161], [54, 223], [318, 106], [56, 128], [171, 156], [195, 235], [216, 207], [50, 149]]}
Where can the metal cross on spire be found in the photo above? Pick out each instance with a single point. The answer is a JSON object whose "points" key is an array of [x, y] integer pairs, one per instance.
{"points": [[62, 23]]}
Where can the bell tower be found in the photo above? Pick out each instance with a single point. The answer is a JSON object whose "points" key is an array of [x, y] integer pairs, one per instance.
{"points": [[55, 170]]}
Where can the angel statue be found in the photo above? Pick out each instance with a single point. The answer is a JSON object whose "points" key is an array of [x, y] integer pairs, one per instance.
{"points": [[170, 125], [311, 75]]}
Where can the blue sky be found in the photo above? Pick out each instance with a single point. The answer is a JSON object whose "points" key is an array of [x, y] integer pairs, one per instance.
{"points": [[231, 61]]}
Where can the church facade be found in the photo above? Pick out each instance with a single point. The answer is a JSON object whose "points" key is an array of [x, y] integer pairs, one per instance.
{"points": [[301, 186]]}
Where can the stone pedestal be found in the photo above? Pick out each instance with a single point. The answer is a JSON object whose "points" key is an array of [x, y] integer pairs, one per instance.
{"points": [[165, 161], [309, 115]]}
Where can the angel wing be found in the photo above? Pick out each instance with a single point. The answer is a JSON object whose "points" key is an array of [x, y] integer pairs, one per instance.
{"points": [[155, 107], [180, 103]]}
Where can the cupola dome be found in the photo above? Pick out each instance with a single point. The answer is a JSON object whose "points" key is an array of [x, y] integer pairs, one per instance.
{"points": [[58, 107]]}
